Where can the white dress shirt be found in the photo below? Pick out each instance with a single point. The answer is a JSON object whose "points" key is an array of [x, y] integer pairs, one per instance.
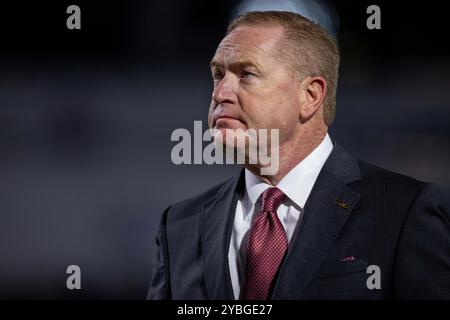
{"points": [[296, 185]]}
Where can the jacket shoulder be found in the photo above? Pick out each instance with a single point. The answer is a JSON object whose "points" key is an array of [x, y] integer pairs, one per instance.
{"points": [[374, 174], [394, 188]]}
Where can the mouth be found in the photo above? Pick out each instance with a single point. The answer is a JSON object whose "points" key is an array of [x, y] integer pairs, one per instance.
{"points": [[226, 117], [227, 122]]}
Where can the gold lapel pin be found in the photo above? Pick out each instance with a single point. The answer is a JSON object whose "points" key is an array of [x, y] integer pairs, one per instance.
{"points": [[341, 204]]}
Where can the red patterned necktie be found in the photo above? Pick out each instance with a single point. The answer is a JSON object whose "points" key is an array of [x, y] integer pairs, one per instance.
{"points": [[267, 245]]}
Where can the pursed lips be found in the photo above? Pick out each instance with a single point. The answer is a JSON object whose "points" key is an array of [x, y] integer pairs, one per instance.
{"points": [[225, 118], [225, 115]]}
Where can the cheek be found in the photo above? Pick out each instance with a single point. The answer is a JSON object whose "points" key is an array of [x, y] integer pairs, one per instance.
{"points": [[287, 100], [284, 106], [283, 111], [270, 107], [255, 109], [289, 110], [289, 118], [210, 117]]}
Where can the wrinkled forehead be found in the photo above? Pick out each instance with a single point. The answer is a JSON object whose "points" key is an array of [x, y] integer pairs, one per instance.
{"points": [[248, 43]]}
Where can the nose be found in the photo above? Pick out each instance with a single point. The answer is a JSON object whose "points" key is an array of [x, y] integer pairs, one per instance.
{"points": [[225, 91]]}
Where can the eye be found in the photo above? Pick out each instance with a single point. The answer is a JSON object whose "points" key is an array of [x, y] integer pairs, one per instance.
{"points": [[246, 74], [217, 75]]}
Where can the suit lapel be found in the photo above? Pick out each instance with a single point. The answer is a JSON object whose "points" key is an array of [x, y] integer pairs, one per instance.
{"points": [[326, 211], [217, 224]]}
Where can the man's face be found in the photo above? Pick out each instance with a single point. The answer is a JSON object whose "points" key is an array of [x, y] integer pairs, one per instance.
{"points": [[252, 87]]}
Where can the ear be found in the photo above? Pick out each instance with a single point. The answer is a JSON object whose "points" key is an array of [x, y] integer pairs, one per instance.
{"points": [[313, 94]]}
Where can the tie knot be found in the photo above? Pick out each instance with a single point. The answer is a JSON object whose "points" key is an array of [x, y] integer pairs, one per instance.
{"points": [[272, 199]]}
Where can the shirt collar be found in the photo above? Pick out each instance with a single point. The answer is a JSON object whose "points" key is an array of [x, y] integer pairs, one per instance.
{"points": [[298, 183]]}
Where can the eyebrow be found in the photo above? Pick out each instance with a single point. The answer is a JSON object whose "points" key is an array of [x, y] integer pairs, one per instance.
{"points": [[235, 65]]}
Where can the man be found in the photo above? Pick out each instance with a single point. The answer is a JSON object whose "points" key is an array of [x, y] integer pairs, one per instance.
{"points": [[325, 225]]}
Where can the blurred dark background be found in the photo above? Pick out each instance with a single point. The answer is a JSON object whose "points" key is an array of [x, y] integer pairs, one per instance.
{"points": [[86, 117]]}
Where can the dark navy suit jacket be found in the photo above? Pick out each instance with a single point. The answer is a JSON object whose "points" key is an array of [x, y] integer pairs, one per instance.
{"points": [[357, 215]]}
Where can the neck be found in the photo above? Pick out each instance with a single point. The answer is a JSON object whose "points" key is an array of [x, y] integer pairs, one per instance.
{"points": [[291, 153]]}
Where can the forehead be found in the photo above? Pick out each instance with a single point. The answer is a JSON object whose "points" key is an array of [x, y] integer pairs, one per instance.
{"points": [[254, 43]]}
